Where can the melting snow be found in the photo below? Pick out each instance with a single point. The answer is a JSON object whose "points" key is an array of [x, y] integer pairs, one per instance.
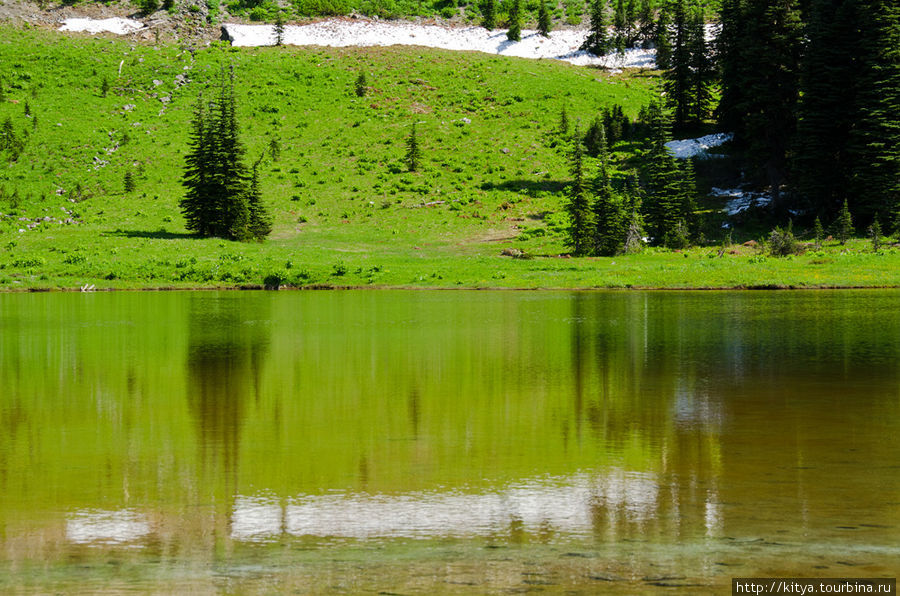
{"points": [[114, 25], [697, 147], [561, 45], [741, 200]]}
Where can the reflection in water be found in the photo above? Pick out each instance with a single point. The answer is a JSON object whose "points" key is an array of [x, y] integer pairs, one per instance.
{"points": [[90, 526], [577, 505]]}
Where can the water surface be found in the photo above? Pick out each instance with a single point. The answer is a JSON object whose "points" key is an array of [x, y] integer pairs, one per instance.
{"points": [[420, 442]]}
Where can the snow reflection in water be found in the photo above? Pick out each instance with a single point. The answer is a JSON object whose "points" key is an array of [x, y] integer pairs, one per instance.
{"points": [[106, 527], [533, 506]]}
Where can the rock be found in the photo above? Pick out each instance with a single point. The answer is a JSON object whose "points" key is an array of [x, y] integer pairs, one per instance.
{"points": [[504, 150], [751, 243]]}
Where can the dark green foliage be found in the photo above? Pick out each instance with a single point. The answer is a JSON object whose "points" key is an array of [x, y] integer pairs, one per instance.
{"points": [[413, 152], [818, 233], [783, 243], [148, 6], [274, 149], [646, 27], [729, 46], [875, 138], [259, 224], [844, 224], [489, 14], [221, 199], [515, 22], [828, 81], [609, 215], [875, 234], [128, 182], [168, 4], [597, 41], [668, 209], [279, 29], [702, 71], [361, 85], [563, 122], [620, 26], [581, 225], [27, 109], [104, 87], [544, 23], [662, 39], [595, 138]]}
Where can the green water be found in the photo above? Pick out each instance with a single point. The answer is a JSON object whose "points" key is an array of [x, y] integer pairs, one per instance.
{"points": [[461, 442]]}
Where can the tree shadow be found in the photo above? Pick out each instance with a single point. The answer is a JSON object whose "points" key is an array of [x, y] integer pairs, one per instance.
{"points": [[157, 234], [530, 187]]}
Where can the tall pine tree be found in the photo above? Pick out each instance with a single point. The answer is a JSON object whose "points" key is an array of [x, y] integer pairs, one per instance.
{"points": [[597, 41], [581, 221]]}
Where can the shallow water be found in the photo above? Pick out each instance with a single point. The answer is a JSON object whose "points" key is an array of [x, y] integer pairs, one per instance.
{"points": [[420, 442]]}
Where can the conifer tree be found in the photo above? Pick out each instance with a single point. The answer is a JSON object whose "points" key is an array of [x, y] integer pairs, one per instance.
{"points": [[544, 22], [825, 115], [515, 22], [362, 85], [634, 221], [844, 224], [563, 122], [818, 233], [646, 25], [597, 41], [259, 225], [581, 224], [702, 72], [729, 45], [662, 209], [413, 152], [489, 14], [128, 182], [198, 204], [620, 25], [677, 76], [662, 39], [875, 138], [875, 234], [609, 218], [630, 18], [279, 29]]}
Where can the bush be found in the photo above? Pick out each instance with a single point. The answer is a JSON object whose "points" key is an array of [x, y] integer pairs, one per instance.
{"points": [[783, 243]]}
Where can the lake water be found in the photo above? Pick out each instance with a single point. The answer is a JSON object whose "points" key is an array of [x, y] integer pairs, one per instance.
{"points": [[452, 442]]}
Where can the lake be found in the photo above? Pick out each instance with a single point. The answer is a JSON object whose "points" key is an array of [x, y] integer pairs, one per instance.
{"points": [[446, 441]]}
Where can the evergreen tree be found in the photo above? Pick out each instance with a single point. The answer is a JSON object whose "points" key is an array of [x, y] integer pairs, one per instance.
{"points": [[662, 39], [825, 117], [259, 225], [609, 216], [279, 29], [662, 210], [413, 152], [563, 122], [677, 77], [544, 23], [581, 224], [630, 29], [818, 233], [219, 200], [489, 14], [362, 85], [875, 234], [515, 22], [646, 26], [595, 138], [128, 182], [875, 138], [104, 87], [702, 73], [844, 224], [620, 25], [634, 224], [597, 41], [729, 45]]}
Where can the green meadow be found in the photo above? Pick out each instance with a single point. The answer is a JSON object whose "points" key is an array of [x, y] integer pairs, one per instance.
{"points": [[93, 111]]}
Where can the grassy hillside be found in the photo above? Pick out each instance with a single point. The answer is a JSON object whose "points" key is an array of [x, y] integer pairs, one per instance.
{"points": [[345, 210]]}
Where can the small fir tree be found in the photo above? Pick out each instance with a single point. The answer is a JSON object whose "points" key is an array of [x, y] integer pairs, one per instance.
{"points": [[413, 152], [563, 122], [844, 224], [818, 233], [361, 85], [875, 234], [515, 22], [662, 40], [104, 87], [128, 182], [597, 41], [609, 217], [544, 23], [489, 14], [279, 29], [645, 24]]}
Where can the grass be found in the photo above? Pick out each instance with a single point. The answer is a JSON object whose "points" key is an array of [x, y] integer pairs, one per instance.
{"points": [[346, 213]]}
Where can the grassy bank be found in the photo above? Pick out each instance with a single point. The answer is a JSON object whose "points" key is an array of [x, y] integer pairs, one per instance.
{"points": [[346, 212]]}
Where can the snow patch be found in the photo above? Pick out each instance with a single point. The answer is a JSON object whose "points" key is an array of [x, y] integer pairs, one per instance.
{"points": [[561, 45], [115, 25], [741, 200], [698, 147]]}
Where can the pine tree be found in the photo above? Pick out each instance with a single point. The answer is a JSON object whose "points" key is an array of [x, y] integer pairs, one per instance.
{"points": [[646, 25], [875, 138], [844, 224], [818, 233], [875, 234], [662, 39], [634, 224], [544, 22], [609, 218], [515, 22], [595, 138], [563, 122], [702, 72], [630, 18], [279, 29], [662, 209], [581, 225], [128, 182], [825, 116], [104, 87], [489, 14], [677, 77], [597, 41], [413, 152], [620, 25], [259, 225], [198, 204], [729, 50], [362, 85]]}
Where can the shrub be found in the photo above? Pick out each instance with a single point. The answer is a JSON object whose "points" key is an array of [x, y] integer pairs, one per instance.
{"points": [[783, 243]]}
